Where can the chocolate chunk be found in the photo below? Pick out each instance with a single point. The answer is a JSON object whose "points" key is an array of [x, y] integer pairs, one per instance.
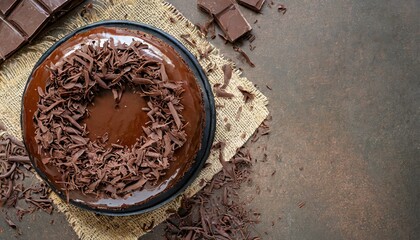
{"points": [[254, 5], [7, 5], [28, 17], [233, 23], [228, 16], [22, 20], [11, 39]]}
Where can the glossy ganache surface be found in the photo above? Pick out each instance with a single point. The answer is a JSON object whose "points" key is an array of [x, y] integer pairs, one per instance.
{"points": [[123, 124]]}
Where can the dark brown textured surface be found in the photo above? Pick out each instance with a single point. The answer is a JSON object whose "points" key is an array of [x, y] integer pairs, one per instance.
{"points": [[344, 140], [176, 69]]}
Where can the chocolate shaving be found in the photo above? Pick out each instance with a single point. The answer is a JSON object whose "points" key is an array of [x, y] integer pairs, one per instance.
{"points": [[222, 92], [14, 167], [247, 94], [282, 8], [10, 222], [88, 165], [247, 59], [227, 75], [208, 216]]}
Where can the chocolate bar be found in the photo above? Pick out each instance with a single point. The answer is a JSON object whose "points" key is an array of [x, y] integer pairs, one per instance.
{"points": [[228, 17], [254, 5], [22, 20]]}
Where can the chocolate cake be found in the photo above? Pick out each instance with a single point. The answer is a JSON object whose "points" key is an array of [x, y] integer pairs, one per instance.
{"points": [[113, 117]]}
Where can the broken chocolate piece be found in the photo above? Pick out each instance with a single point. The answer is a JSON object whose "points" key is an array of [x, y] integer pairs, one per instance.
{"points": [[254, 5], [233, 23], [228, 16]]}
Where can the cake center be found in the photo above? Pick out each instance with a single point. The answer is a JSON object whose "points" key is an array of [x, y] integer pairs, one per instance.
{"points": [[125, 119]]}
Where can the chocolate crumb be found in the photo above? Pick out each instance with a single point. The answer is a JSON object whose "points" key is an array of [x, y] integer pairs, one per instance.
{"points": [[301, 204], [282, 8], [228, 127], [227, 75], [268, 87]]}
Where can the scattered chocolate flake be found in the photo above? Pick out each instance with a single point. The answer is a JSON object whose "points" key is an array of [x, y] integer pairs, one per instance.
{"points": [[301, 204], [247, 59], [262, 130], [256, 20], [251, 47], [10, 222], [187, 40], [248, 96], [281, 8], [89, 166], [274, 172], [172, 20], [220, 92], [228, 127], [268, 87], [227, 75], [301, 169], [216, 212], [243, 135], [205, 53], [251, 38], [220, 105]]}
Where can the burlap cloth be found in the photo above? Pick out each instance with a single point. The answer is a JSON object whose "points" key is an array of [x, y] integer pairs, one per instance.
{"points": [[15, 71]]}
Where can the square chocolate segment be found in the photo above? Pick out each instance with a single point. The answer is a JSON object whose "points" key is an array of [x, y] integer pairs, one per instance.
{"points": [[254, 5], [11, 39], [29, 17], [6, 6], [233, 23]]}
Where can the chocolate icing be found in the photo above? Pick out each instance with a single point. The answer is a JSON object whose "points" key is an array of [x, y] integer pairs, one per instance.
{"points": [[127, 131]]}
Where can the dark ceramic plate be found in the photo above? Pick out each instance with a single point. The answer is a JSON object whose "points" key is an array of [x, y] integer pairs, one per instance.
{"points": [[208, 132]]}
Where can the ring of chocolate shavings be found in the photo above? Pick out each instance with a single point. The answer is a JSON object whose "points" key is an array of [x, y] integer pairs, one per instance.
{"points": [[88, 166]]}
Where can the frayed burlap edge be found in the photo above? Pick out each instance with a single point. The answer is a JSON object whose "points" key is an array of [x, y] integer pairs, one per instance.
{"points": [[15, 71]]}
